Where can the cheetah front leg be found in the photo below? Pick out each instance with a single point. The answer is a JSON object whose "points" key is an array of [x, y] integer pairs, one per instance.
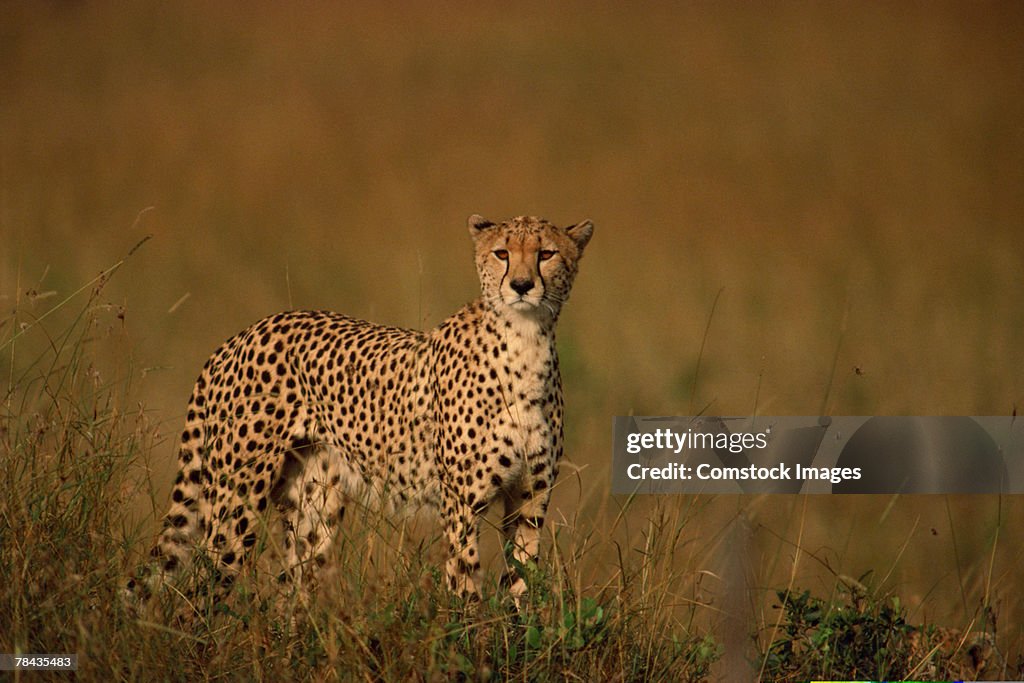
{"points": [[462, 529], [525, 508]]}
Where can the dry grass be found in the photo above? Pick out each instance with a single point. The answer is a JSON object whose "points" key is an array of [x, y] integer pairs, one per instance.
{"points": [[74, 453], [846, 176]]}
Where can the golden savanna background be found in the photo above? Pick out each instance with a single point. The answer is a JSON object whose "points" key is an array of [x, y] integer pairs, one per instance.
{"points": [[846, 181]]}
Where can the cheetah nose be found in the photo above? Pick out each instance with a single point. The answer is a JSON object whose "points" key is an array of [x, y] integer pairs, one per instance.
{"points": [[522, 286]]}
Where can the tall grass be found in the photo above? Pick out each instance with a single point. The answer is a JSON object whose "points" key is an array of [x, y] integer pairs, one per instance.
{"points": [[76, 445], [72, 445], [862, 628], [847, 176], [74, 453]]}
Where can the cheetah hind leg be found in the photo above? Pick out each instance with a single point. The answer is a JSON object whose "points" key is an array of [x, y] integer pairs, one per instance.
{"points": [[172, 557], [169, 559], [191, 568], [312, 504]]}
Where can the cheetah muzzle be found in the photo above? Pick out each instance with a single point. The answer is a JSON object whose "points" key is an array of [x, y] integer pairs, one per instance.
{"points": [[306, 410]]}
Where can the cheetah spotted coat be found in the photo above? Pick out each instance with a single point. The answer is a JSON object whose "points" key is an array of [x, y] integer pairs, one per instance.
{"points": [[306, 411]]}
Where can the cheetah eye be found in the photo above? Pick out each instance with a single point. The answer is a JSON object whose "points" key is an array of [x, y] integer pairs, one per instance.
{"points": [[502, 254], [545, 254]]}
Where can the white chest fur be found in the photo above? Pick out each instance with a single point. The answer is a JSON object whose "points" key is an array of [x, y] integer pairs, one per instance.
{"points": [[528, 377]]}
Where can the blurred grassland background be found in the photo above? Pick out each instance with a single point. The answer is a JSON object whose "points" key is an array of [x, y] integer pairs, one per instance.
{"points": [[847, 176]]}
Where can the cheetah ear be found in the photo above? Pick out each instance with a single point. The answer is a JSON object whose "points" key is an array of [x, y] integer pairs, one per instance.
{"points": [[580, 233], [478, 224]]}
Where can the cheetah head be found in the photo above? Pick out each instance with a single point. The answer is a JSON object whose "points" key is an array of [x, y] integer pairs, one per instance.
{"points": [[527, 265]]}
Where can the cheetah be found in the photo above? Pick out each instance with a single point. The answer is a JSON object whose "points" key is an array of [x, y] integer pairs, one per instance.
{"points": [[307, 410]]}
